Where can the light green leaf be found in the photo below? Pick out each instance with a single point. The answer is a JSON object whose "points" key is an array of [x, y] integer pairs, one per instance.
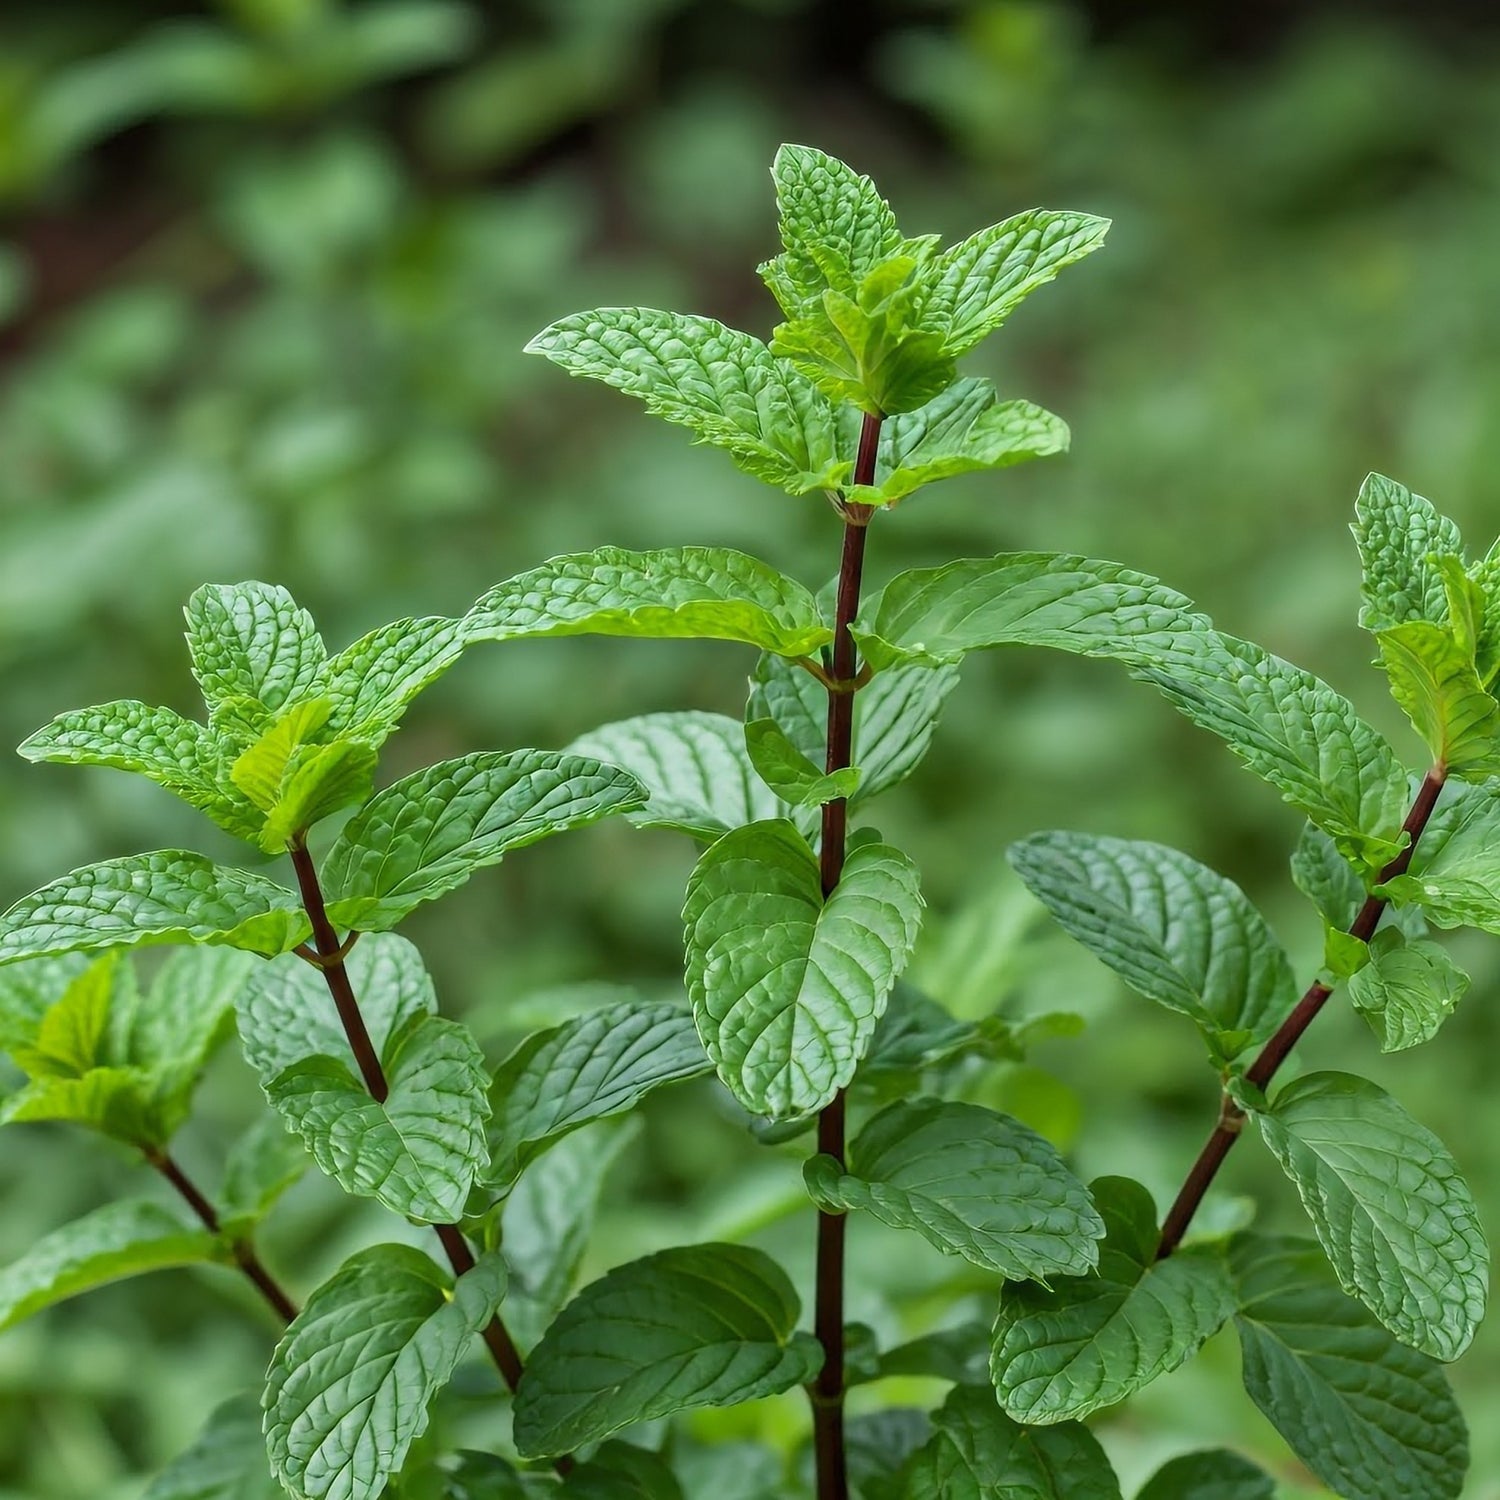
{"points": [[119, 1102], [1326, 878], [787, 988], [178, 754], [694, 767], [351, 1383], [252, 640], [895, 716], [121, 1239], [978, 283], [170, 896], [259, 771], [678, 592], [1171, 928], [262, 1164], [372, 683], [1397, 531], [979, 1453], [1213, 1474], [1435, 682], [1406, 991], [71, 1034], [1075, 604], [419, 1151], [320, 781], [970, 1181], [1454, 876], [27, 990], [227, 1460], [1092, 1341], [587, 1069], [723, 384], [965, 428], [1390, 1209], [1370, 1417], [428, 833], [794, 778], [184, 1014], [699, 1325]]}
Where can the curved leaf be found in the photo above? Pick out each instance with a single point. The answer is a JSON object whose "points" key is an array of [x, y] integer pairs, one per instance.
{"points": [[252, 640], [1214, 1474]]}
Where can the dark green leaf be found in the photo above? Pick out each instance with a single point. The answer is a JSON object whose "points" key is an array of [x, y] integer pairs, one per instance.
{"points": [[1214, 1474], [227, 1460]]}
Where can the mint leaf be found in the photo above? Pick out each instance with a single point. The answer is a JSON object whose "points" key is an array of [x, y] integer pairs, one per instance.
{"points": [[1171, 928], [170, 896], [1397, 532], [619, 1471], [27, 990], [1077, 604], [1406, 991], [262, 1164], [976, 284], [179, 755], [425, 835], [586, 1069], [895, 716], [1326, 878], [970, 1181], [372, 683], [1435, 682], [694, 767], [678, 592], [1389, 1207], [1454, 876], [723, 384], [183, 1015], [351, 1383], [786, 988], [699, 1325], [226, 1461], [792, 776], [978, 1453], [121, 1239], [1092, 1341], [252, 640], [1214, 1474], [1370, 1417]]}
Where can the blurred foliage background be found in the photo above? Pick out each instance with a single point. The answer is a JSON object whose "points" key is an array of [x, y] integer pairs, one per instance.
{"points": [[266, 267]]}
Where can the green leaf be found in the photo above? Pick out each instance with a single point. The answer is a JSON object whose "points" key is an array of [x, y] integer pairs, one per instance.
{"points": [[678, 592], [1326, 878], [184, 1014], [970, 1181], [877, 1445], [786, 988], [1370, 1417], [1397, 532], [1454, 876], [177, 754], [262, 1165], [170, 896], [794, 778], [1436, 684], [1214, 1474], [320, 781], [895, 716], [226, 1461], [372, 683], [1171, 928], [426, 834], [351, 1383], [978, 283], [965, 428], [619, 1471], [699, 1325], [27, 990], [252, 640], [1092, 1341], [587, 1069], [1389, 1207], [723, 384], [1071, 603], [960, 1354], [694, 767], [979, 1453], [121, 1239], [71, 1034], [1406, 991]]}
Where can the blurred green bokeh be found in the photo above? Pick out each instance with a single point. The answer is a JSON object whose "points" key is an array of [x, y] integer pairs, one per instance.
{"points": [[266, 268]]}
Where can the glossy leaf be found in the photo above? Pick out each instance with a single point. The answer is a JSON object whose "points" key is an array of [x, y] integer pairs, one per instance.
{"points": [[795, 779], [351, 1383], [252, 640], [1436, 683], [970, 1181], [1406, 991], [1213, 1474], [700, 1325], [786, 988], [372, 683], [1370, 1417], [1397, 532], [1454, 877], [1390, 1209], [426, 834], [1091, 1341]]}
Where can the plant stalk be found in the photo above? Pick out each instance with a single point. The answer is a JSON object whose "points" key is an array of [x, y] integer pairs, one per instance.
{"points": [[244, 1252], [827, 1391], [1289, 1033]]}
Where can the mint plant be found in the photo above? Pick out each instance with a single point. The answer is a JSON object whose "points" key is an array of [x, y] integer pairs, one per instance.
{"points": [[799, 921]]}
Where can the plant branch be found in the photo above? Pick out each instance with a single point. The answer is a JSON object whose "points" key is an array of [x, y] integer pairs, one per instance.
{"points": [[1289, 1033], [841, 682], [243, 1251]]}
